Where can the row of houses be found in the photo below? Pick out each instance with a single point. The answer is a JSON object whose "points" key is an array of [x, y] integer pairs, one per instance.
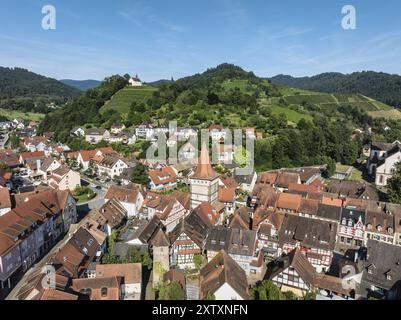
{"points": [[32, 228], [78, 274]]}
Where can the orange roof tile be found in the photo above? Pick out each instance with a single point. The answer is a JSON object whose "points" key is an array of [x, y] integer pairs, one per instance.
{"points": [[226, 194], [289, 201]]}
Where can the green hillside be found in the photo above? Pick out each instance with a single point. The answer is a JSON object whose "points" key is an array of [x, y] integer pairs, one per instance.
{"points": [[26, 91], [28, 116], [269, 99], [123, 99], [329, 103]]}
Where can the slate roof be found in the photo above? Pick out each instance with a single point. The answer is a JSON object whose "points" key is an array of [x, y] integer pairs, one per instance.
{"points": [[383, 259], [193, 226], [310, 233], [328, 212]]}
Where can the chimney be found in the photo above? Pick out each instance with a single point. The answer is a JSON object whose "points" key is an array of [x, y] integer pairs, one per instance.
{"points": [[37, 164], [374, 222]]}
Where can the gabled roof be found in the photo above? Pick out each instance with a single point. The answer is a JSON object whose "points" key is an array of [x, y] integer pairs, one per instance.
{"points": [[96, 284], [226, 195], [54, 294], [241, 219], [5, 200], [285, 178], [310, 233], [296, 260], [328, 212], [387, 260], [272, 217], [163, 176], [242, 242], [32, 155], [109, 160], [381, 146], [160, 239], [193, 226], [208, 213], [71, 259], [61, 171], [130, 272], [289, 201], [267, 178], [218, 238], [47, 162], [123, 194], [114, 213], [95, 132], [309, 206], [150, 230], [220, 270]]}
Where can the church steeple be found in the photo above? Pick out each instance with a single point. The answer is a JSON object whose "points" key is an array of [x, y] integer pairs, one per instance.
{"points": [[204, 169], [205, 182]]}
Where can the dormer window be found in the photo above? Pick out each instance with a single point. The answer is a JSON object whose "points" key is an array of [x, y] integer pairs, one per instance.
{"points": [[369, 226], [344, 221], [349, 223], [379, 228]]}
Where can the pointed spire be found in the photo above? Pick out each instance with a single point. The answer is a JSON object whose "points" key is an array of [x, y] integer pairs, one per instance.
{"points": [[204, 169]]}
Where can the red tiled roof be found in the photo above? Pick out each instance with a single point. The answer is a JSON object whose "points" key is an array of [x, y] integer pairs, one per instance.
{"points": [[332, 202], [226, 194], [5, 200], [302, 187], [289, 201], [30, 155], [163, 176], [123, 194], [131, 272]]}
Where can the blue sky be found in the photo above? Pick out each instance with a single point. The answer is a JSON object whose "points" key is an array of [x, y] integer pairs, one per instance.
{"points": [[163, 39]]}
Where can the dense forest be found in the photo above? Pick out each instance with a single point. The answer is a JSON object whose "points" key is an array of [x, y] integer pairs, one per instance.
{"points": [[378, 85], [23, 90]]}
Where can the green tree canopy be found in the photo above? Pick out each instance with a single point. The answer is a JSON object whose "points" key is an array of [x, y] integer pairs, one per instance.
{"points": [[139, 175], [171, 291], [394, 185]]}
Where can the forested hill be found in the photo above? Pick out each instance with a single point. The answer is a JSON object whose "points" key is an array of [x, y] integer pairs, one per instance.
{"points": [[378, 85], [83, 109], [217, 75], [23, 90], [298, 127]]}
